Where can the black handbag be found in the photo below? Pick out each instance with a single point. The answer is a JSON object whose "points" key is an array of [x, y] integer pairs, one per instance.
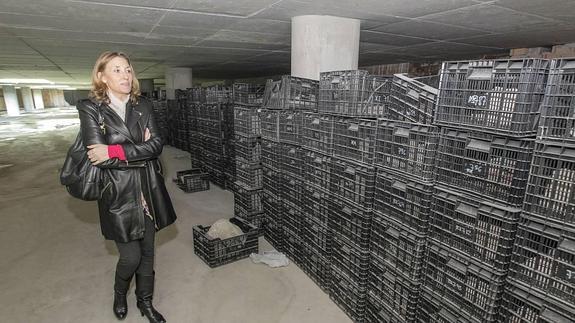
{"points": [[81, 178]]}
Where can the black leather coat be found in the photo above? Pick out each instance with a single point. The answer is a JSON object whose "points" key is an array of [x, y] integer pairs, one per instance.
{"points": [[123, 182]]}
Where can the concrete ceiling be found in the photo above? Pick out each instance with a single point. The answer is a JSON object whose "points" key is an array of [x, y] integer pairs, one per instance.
{"points": [[59, 39]]}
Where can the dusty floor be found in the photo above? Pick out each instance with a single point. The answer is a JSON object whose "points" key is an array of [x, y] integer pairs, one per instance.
{"points": [[56, 267]]}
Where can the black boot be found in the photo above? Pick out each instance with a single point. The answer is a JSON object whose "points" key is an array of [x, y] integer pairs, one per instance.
{"points": [[144, 296], [121, 287]]}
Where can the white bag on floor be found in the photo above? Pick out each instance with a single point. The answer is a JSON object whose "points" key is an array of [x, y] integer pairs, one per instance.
{"points": [[271, 258]]}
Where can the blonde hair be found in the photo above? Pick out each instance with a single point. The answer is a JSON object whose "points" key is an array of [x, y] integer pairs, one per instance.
{"points": [[99, 89]]}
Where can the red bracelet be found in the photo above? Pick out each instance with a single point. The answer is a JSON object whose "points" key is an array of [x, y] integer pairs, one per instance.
{"points": [[116, 151]]}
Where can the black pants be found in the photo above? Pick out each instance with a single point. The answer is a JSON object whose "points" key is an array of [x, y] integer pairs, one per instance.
{"points": [[137, 256]]}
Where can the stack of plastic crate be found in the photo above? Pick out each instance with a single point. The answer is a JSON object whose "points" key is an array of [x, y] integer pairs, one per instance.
{"points": [[211, 129], [161, 117], [541, 278], [317, 236], [281, 115], [248, 188], [229, 133], [195, 100], [344, 132], [405, 157], [488, 112]]}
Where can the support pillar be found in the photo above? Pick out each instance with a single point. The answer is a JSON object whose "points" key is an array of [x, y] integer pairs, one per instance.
{"points": [[323, 44], [147, 86], [177, 78], [38, 99], [27, 99], [11, 100]]}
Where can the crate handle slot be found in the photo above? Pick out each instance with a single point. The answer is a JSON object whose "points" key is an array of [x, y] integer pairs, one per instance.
{"points": [[353, 127], [335, 80], [567, 245], [453, 263], [401, 132], [346, 210], [350, 171], [399, 185], [316, 195], [480, 74], [466, 209], [480, 145], [393, 232], [413, 94], [315, 121]]}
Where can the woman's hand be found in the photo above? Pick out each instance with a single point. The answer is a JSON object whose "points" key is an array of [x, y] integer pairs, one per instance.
{"points": [[147, 135], [98, 153]]}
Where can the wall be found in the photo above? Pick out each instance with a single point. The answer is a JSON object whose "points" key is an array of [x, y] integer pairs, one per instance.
{"points": [[73, 96]]}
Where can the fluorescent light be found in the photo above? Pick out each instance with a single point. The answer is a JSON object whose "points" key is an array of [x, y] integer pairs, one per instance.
{"points": [[54, 86], [26, 81]]}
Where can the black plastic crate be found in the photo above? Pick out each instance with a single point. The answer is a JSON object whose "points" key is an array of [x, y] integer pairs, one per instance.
{"points": [[317, 267], [293, 246], [349, 296], [196, 95], [272, 205], [528, 306], [247, 121], [493, 166], [316, 202], [191, 183], [211, 111], [558, 107], [271, 180], [218, 177], [273, 233], [289, 128], [353, 93], [270, 153], [218, 94], [247, 200], [291, 93], [317, 168], [270, 123], [292, 218], [249, 173], [213, 160], [391, 292], [212, 145], [499, 96], [291, 188], [376, 311], [551, 188], [544, 260], [350, 259], [463, 283], [317, 132], [248, 148], [248, 94], [411, 100], [316, 235], [407, 147], [355, 139], [351, 221], [403, 199], [257, 220], [433, 308], [353, 181], [212, 128], [396, 244], [217, 252], [291, 159], [475, 227]]}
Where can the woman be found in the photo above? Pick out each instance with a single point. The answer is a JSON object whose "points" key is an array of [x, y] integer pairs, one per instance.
{"points": [[134, 202]]}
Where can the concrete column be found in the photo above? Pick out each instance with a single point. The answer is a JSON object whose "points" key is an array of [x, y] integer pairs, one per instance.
{"points": [[27, 99], [11, 100], [323, 44], [38, 99], [177, 78], [147, 86]]}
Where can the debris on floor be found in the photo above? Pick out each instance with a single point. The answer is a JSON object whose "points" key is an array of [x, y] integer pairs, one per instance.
{"points": [[271, 258]]}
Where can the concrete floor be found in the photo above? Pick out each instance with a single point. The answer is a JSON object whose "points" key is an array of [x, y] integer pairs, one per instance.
{"points": [[56, 267]]}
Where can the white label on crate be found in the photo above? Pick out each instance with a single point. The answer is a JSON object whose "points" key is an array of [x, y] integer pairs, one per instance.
{"points": [[477, 100]]}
